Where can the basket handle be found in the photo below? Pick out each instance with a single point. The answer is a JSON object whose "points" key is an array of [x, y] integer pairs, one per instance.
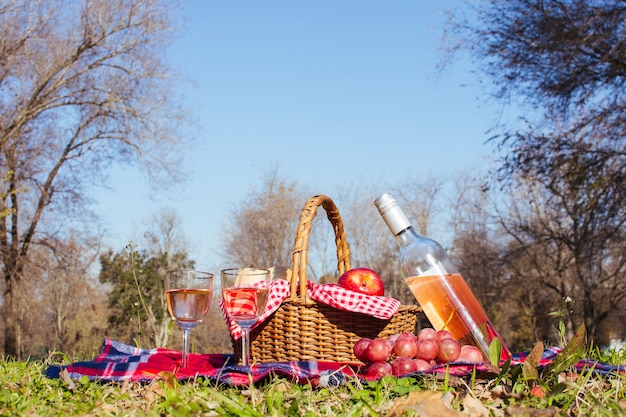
{"points": [[301, 246]]}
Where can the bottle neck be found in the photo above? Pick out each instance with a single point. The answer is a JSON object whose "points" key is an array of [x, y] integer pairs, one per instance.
{"points": [[432, 259], [407, 236]]}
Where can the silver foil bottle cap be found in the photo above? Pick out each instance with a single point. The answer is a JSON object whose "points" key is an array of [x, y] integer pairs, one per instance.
{"points": [[384, 202], [392, 213]]}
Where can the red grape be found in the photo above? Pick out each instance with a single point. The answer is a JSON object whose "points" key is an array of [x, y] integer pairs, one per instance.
{"points": [[406, 353], [390, 342], [393, 338], [378, 369], [470, 354], [427, 349], [378, 350], [360, 348], [427, 333], [403, 365], [444, 334], [449, 350], [405, 347], [422, 365], [407, 336]]}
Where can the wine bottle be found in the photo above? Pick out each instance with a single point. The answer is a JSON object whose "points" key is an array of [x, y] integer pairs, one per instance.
{"points": [[439, 288]]}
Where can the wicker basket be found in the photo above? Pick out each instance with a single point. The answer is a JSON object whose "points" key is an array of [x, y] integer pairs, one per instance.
{"points": [[303, 329]]}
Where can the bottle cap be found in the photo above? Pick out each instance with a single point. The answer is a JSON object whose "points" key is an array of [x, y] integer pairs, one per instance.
{"points": [[392, 213]]}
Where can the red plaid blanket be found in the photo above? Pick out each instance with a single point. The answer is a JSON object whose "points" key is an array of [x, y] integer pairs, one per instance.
{"points": [[120, 362], [330, 294]]}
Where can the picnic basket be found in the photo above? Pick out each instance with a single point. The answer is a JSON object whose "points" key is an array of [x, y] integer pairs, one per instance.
{"points": [[303, 329]]}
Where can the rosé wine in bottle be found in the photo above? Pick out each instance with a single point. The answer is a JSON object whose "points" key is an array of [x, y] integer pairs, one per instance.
{"points": [[441, 291]]}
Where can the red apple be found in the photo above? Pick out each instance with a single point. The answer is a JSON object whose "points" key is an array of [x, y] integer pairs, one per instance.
{"points": [[363, 280], [449, 350], [378, 350], [470, 354]]}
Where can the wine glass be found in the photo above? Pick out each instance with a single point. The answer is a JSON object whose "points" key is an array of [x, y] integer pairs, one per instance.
{"points": [[244, 295], [188, 294]]}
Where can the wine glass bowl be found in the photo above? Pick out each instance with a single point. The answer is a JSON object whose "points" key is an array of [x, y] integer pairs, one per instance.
{"points": [[245, 292], [188, 294]]}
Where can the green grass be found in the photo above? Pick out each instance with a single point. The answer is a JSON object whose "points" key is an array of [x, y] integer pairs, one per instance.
{"points": [[524, 390], [25, 391]]}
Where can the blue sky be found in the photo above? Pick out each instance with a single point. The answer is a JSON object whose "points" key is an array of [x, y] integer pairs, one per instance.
{"points": [[330, 92]]}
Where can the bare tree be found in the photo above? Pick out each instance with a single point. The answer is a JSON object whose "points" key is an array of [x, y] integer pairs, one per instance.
{"points": [[68, 286], [61, 288], [562, 55], [262, 228], [420, 200], [165, 237], [84, 85], [571, 251]]}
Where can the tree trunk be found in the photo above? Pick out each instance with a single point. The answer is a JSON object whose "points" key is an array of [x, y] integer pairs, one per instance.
{"points": [[11, 323]]}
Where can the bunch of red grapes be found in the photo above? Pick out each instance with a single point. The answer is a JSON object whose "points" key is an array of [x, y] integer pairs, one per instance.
{"points": [[405, 353]]}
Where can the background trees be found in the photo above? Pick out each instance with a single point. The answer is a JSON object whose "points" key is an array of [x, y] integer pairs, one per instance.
{"points": [[138, 309], [84, 84], [565, 61], [544, 233]]}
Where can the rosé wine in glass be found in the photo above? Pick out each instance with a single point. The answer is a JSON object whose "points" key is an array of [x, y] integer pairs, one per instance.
{"points": [[188, 294], [245, 292]]}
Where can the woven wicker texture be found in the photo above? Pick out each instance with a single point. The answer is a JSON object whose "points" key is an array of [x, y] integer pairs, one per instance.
{"points": [[303, 329]]}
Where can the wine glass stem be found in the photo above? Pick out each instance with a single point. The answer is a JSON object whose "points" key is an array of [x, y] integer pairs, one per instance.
{"points": [[245, 346], [186, 347]]}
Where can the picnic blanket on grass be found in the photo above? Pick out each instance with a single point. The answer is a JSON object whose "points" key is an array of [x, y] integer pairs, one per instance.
{"points": [[120, 362]]}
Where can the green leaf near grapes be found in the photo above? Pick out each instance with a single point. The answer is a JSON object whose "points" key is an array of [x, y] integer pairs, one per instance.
{"points": [[495, 350]]}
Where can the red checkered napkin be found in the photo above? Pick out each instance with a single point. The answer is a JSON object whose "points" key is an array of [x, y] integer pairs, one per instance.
{"points": [[340, 298], [241, 302]]}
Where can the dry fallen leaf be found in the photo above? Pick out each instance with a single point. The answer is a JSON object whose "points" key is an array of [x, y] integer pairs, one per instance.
{"points": [[474, 407], [424, 404], [169, 378], [155, 388], [65, 376], [504, 392]]}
